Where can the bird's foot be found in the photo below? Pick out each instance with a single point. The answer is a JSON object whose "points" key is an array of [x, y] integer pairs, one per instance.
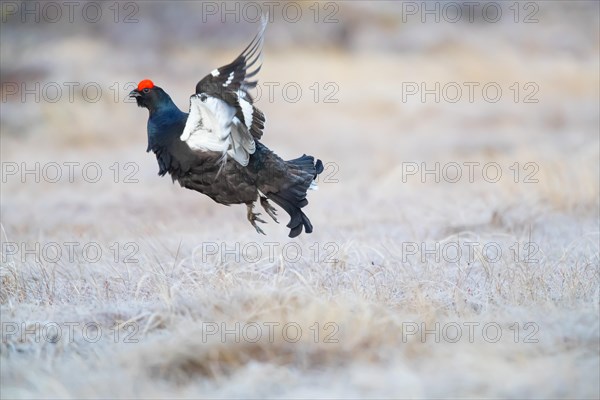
{"points": [[272, 211], [253, 218]]}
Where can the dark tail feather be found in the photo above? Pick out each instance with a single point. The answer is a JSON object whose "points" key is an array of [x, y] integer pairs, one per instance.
{"points": [[298, 219], [303, 171]]}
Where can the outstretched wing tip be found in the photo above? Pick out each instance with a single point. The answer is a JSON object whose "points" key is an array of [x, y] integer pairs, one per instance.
{"points": [[235, 75], [264, 21]]}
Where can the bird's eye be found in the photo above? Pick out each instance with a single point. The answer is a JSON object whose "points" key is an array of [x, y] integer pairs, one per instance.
{"points": [[146, 90]]}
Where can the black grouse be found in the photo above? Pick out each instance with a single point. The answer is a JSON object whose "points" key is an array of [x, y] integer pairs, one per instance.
{"points": [[214, 149]]}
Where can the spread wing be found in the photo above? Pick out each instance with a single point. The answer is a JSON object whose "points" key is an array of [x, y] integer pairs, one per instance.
{"points": [[222, 116], [235, 75], [231, 83]]}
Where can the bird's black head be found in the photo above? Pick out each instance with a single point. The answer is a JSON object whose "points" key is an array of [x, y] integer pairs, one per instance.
{"points": [[149, 96]]}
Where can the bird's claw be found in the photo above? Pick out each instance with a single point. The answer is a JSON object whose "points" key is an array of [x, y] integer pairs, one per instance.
{"points": [[271, 211], [253, 218], [260, 231]]}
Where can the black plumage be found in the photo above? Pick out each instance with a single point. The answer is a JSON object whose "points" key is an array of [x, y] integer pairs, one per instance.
{"points": [[215, 150]]}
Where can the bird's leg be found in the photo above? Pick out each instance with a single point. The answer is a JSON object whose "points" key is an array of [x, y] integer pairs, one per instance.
{"points": [[272, 211], [253, 218]]}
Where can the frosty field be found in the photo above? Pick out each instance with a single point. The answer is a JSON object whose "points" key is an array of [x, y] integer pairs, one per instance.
{"points": [[456, 244]]}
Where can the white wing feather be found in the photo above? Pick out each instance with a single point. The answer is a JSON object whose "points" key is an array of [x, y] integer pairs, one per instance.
{"points": [[212, 126]]}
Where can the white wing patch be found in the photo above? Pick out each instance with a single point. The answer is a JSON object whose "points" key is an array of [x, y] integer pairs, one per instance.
{"points": [[212, 126], [229, 79], [247, 109], [242, 143]]}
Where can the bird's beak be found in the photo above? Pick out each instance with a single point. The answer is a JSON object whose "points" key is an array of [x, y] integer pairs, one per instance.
{"points": [[134, 93]]}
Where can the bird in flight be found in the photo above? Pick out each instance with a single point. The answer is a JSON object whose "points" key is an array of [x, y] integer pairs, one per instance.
{"points": [[215, 149]]}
